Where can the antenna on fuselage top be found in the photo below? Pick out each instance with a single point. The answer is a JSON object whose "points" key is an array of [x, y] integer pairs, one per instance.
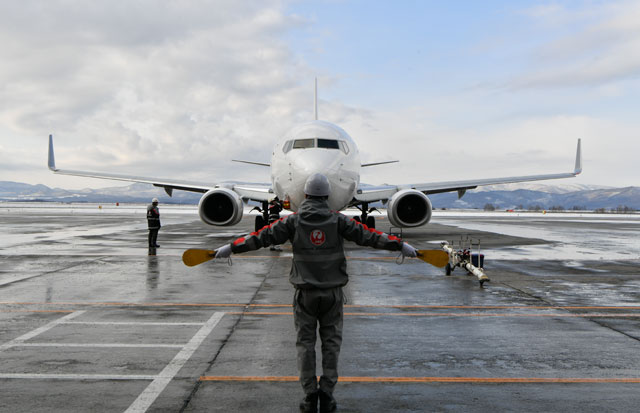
{"points": [[315, 100]]}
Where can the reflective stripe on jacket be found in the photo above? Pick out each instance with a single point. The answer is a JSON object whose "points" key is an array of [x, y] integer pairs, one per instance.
{"points": [[316, 234], [153, 216]]}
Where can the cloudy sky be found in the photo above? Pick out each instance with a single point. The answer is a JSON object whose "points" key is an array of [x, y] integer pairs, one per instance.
{"points": [[454, 90]]}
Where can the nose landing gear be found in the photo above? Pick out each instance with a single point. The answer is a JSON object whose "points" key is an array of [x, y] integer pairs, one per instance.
{"points": [[364, 217], [261, 220]]}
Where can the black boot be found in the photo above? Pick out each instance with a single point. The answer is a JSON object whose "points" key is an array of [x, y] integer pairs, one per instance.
{"points": [[309, 404], [327, 402]]}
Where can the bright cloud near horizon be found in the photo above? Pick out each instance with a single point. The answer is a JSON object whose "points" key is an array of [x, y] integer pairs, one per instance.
{"points": [[453, 90]]}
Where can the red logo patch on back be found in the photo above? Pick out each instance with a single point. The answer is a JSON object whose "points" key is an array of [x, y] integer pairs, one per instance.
{"points": [[317, 237]]}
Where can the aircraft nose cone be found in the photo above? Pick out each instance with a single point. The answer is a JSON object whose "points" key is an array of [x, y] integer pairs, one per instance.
{"points": [[313, 162], [306, 163]]}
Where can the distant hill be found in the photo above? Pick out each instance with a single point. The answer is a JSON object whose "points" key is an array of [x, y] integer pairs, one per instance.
{"points": [[587, 199], [15, 191], [509, 196]]}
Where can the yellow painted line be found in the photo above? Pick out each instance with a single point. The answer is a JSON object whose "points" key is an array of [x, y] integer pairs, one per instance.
{"points": [[584, 315], [498, 307], [249, 378], [125, 304], [410, 306], [36, 311], [480, 380], [365, 314]]}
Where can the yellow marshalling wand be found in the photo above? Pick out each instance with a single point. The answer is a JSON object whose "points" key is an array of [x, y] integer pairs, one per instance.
{"points": [[437, 258], [195, 256]]}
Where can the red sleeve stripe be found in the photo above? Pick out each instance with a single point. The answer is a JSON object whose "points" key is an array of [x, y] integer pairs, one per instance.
{"points": [[375, 231], [256, 233]]}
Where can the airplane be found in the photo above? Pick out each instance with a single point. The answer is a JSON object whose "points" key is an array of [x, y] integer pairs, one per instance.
{"points": [[317, 147]]}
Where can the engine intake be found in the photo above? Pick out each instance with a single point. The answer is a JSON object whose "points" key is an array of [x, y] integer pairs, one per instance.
{"points": [[220, 206], [409, 208]]}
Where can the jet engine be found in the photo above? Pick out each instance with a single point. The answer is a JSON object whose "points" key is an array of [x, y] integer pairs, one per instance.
{"points": [[220, 206], [409, 208]]}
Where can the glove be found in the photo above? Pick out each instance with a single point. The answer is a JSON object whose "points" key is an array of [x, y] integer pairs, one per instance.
{"points": [[409, 251], [224, 251]]}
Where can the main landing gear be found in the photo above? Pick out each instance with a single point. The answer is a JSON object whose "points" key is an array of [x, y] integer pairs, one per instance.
{"points": [[364, 217]]}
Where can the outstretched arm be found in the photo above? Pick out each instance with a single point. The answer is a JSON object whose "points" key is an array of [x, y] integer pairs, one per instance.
{"points": [[361, 234], [275, 233]]}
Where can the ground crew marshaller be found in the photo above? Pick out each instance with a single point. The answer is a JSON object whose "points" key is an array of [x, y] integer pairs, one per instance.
{"points": [[153, 220], [318, 274]]}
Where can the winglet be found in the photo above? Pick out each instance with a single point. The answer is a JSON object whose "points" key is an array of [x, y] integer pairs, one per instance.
{"points": [[52, 159], [578, 167]]}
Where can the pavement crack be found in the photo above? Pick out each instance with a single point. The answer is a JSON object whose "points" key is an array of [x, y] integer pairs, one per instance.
{"points": [[552, 304], [602, 324], [50, 272]]}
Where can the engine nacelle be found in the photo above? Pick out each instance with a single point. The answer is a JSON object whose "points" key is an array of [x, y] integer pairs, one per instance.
{"points": [[220, 206], [409, 208]]}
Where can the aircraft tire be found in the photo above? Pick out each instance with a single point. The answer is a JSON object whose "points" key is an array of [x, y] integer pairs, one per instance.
{"points": [[371, 222]]}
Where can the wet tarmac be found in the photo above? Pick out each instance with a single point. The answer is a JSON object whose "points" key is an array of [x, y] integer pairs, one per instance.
{"points": [[90, 322]]}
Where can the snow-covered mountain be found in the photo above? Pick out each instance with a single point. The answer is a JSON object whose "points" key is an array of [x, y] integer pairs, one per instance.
{"points": [[560, 188], [15, 191], [508, 196], [545, 197]]}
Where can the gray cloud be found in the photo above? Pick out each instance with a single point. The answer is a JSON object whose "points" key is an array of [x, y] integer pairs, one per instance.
{"points": [[150, 86], [600, 47]]}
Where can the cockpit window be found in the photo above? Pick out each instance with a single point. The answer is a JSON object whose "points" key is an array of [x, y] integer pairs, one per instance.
{"points": [[304, 143], [328, 144], [315, 143]]}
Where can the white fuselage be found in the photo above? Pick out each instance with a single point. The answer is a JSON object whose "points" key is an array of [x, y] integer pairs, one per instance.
{"points": [[316, 147]]}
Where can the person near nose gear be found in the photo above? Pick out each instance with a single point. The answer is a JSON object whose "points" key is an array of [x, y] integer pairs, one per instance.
{"points": [[153, 221], [274, 214], [318, 273]]}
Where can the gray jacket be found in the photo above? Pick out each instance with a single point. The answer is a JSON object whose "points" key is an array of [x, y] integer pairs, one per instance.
{"points": [[316, 234]]}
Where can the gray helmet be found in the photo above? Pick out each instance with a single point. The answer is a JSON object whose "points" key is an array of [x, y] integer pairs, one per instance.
{"points": [[154, 201], [317, 185]]}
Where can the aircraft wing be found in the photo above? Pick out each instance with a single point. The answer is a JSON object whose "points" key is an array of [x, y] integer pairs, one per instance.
{"points": [[378, 193], [255, 192]]}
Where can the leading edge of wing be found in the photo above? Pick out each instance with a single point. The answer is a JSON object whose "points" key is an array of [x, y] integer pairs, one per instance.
{"points": [[254, 192], [372, 194]]}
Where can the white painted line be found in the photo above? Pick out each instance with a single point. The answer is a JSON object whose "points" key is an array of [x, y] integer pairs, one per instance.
{"points": [[74, 376], [131, 323], [19, 340], [153, 390], [100, 345]]}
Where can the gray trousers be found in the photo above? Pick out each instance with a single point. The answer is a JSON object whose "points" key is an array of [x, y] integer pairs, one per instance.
{"points": [[323, 308], [153, 237]]}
